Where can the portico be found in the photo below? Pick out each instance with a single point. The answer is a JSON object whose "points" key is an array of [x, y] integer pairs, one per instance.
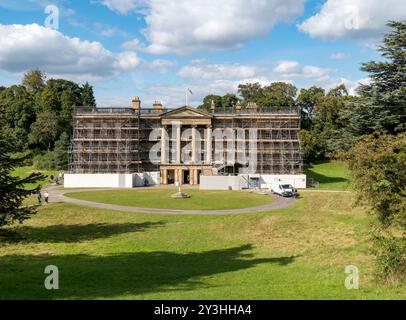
{"points": [[186, 146], [184, 174]]}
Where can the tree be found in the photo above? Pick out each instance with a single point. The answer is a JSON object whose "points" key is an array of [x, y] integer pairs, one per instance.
{"points": [[45, 130], [16, 114], [229, 101], [12, 188], [277, 94], [48, 100], [65, 116], [309, 146], [387, 90], [339, 91], [378, 165], [87, 95], [61, 152], [207, 102], [307, 101], [251, 92], [34, 81]]}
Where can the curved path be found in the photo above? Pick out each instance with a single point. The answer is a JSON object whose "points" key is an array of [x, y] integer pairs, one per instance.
{"points": [[58, 195]]}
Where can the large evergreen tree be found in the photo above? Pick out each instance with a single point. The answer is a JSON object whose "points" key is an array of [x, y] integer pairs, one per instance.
{"points": [[13, 189], [386, 94]]}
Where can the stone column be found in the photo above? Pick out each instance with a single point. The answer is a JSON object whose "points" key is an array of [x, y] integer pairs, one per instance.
{"points": [[191, 176], [196, 178], [178, 143], [175, 176], [163, 145], [194, 144], [209, 145], [180, 176], [165, 176]]}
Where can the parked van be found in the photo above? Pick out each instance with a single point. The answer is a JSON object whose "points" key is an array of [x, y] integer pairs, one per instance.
{"points": [[284, 190]]}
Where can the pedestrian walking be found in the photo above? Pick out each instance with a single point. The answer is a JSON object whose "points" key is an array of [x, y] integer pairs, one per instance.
{"points": [[46, 196], [39, 198]]}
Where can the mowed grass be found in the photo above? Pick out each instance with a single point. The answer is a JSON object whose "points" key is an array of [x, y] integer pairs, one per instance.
{"points": [[331, 175], [294, 253], [161, 198], [24, 172]]}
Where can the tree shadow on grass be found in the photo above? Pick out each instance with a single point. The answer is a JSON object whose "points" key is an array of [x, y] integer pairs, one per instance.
{"points": [[72, 233], [89, 277], [323, 178]]}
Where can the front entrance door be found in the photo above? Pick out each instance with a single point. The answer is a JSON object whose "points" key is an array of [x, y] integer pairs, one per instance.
{"points": [[171, 176], [198, 176], [186, 176]]}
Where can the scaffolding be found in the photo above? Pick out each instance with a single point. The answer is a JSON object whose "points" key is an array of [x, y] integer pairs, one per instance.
{"points": [[105, 141], [278, 143], [117, 140]]}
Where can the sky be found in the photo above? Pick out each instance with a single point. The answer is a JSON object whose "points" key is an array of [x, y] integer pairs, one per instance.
{"points": [[158, 49]]}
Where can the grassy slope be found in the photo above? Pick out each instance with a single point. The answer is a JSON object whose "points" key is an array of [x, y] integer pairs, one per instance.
{"points": [[25, 171], [331, 175], [161, 198], [298, 252]]}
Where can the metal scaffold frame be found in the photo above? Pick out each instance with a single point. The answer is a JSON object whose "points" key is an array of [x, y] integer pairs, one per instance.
{"points": [[278, 144], [112, 140], [104, 143]]}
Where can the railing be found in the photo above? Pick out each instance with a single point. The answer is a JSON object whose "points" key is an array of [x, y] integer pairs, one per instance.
{"points": [[219, 111], [258, 110], [93, 110]]}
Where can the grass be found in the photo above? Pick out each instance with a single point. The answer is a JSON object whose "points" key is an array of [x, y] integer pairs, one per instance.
{"points": [[331, 175], [161, 198], [23, 172], [294, 253]]}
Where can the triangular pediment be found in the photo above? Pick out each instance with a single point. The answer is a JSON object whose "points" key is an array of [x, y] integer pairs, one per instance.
{"points": [[185, 112]]}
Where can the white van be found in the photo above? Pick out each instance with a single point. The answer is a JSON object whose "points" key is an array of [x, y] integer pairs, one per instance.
{"points": [[283, 189]]}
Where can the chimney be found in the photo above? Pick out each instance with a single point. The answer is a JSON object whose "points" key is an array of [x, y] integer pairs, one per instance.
{"points": [[136, 103], [213, 106], [157, 106]]}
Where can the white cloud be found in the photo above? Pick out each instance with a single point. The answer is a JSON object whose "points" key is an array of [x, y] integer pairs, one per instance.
{"points": [[294, 70], [161, 65], [122, 6], [184, 26], [339, 56], [353, 85], [353, 19], [201, 69], [133, 45], [23, 47], [126, 61]]}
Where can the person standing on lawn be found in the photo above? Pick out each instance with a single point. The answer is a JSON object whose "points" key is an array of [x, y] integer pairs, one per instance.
{"points": [[39, 197], [46, 195]]}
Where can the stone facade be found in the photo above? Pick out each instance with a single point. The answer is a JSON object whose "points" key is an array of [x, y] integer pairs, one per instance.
{"points": [[132, 139]]}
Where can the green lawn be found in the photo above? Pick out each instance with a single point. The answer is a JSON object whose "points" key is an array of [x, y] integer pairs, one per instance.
{"points": [[295, 253], [161, 198], [25, 171], [331, 175]]}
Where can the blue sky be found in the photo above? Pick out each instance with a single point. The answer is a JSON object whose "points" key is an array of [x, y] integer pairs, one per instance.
{"points": [[157, 49]]}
